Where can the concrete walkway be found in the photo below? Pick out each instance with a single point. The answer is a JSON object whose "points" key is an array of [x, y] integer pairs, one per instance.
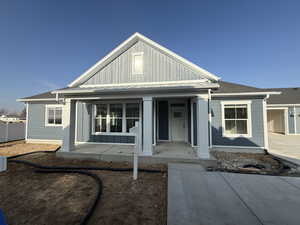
{"points": [[285, 145], [196, 197]]}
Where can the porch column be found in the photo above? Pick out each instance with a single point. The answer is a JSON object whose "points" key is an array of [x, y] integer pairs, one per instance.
{"points": [[147, 125], [202, 127], [68, 121]]}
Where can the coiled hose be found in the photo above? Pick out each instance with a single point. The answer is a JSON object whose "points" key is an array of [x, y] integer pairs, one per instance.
{"points": [[75, 170]]}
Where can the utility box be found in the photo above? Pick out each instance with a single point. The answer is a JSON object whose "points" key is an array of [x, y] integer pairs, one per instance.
{"points": [[3, 163]]}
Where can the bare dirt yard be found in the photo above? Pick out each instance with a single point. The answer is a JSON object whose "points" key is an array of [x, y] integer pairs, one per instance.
{"points": [[31, 198], [20, 147]]}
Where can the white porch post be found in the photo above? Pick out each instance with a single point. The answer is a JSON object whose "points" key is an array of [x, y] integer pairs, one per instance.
{"points": [[68, 121], [147, 125], [202, 127]]}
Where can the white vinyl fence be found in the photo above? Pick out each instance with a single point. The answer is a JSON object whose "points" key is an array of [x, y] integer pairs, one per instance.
{"points": [[12, 131]]}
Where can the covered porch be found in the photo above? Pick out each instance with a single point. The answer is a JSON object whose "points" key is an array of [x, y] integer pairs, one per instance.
{"points": [[172, 126]]}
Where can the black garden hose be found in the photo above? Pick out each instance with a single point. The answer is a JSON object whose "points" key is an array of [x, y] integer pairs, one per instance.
{"points": [[30, 153], [76, 170], [92, 208]]}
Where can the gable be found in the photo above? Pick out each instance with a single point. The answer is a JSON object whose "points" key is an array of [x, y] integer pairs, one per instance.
{"points": [[160, 65]]}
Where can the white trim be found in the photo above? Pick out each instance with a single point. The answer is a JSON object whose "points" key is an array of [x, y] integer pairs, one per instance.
{"points": [[46, 115], [132, 63], [209, 117], [247, 93], [141, 96], [249, 119], [37, 99], [192, 122], [127, 44], [100, 143], [141, 83], [44, 141], [271, 105], [154, 122], [265, 123], [232, 146], [26, 124], [76, 121]]}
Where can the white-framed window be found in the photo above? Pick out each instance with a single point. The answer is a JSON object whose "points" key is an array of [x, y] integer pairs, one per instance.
{"points": [[236, 118], [137, 63], [115, 117], [53, 115]]}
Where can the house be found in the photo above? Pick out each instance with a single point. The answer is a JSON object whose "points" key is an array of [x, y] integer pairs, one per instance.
{"points": [[175, 101], [284, 111], [11, 119]]}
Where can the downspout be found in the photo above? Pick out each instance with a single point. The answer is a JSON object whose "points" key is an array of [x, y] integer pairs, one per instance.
{"points": [[209, 118], [266, 140]]}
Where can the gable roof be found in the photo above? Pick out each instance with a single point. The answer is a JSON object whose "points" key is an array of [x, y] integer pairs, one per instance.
{"points": [[288, 96], [228, 87], [126, 45]]}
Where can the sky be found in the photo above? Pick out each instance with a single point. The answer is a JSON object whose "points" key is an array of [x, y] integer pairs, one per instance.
{"points": [[45, 45]]}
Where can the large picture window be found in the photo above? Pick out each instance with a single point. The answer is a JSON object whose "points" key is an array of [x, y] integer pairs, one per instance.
{"points": [[115, 117], [236, 119], [53, 116]]}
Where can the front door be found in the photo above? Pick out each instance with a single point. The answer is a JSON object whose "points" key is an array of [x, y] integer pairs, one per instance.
{"points": [[178, 123]]}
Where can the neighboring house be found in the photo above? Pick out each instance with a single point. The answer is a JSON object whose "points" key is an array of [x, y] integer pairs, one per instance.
{"points": [[175, 100], [11, 118], [284, 111]]}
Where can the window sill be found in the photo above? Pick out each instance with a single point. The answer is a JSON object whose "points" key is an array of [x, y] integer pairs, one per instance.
{"points": [[53, 125], [113, 133], [237, 135]]}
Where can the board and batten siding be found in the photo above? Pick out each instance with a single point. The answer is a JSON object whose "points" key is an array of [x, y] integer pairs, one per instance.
{"points": [[158, 67], [36, 124], [257, 139], [84, 128]]}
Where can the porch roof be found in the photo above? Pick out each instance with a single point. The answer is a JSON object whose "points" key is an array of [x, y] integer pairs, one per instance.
{"points": [[134, 88]]}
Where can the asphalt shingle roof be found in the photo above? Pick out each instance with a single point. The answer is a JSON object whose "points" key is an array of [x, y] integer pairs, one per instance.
{"points": [[287, 96]]}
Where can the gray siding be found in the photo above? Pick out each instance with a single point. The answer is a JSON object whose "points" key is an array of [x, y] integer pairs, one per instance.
{"points": [[163, 122], [195, 123], [291, 120], [84, 128], [297, 120], [257, 139], [157, 67], [36, 124]]}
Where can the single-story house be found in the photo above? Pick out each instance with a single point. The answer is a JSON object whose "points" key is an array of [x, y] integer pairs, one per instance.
{"points": [[174, 100], [284, 111]]}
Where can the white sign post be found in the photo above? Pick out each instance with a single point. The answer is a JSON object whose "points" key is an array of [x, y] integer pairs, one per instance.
{"points": [[3, 163], [136, 131]]}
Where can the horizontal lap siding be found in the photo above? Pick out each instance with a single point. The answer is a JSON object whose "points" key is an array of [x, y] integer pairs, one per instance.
{"points": [[157, 67], [36, 124], [257, 139]]}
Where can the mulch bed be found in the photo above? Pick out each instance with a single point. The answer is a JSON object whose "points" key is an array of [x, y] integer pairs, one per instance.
{"points": [[237, 162], [27, 197]]}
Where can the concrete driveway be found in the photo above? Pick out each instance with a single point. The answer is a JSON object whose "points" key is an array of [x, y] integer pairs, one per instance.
{"points": [[285, 145], [197, 197]]}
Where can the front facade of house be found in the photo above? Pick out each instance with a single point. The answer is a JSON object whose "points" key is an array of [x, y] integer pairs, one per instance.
{"points": [[173, 99]]}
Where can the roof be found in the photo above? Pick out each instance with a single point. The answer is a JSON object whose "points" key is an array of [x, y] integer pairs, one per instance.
{"points": [[228, 87], [288, 96], [126, 45], [45, 95]]}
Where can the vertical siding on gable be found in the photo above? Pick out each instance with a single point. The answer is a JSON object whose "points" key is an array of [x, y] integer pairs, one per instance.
{"points": [[157, 67], [257, 139], [36, 124]]}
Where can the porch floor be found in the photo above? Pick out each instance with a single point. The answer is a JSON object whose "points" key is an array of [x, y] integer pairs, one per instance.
{"points": [[162, 153]]}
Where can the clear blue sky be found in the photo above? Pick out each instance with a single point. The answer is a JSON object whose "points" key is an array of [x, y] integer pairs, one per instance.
{"points": [[47, 44]]}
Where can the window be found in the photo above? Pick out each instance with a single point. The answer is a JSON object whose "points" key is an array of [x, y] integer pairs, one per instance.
{"points": [[236, 119], [138, 63], [101, 118], [53, 115], [115, 117], [132, 115]]}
